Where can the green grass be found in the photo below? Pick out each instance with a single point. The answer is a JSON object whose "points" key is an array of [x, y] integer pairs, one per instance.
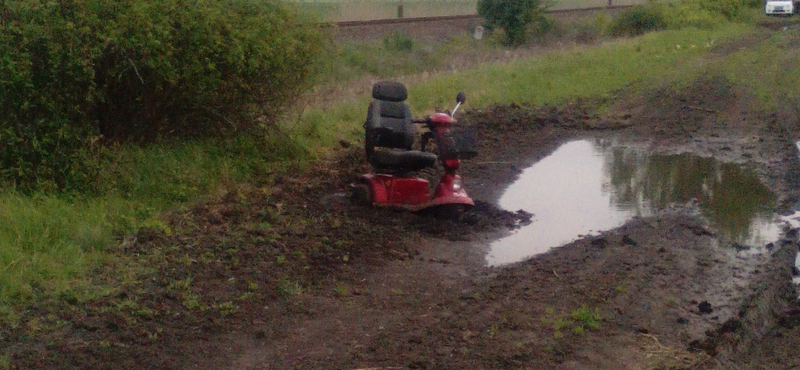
{"points": [[51, 246], [638, 63], [578, 320], [397, 54], [47, 242], [771, 70], [161, 176], [585, 317]]}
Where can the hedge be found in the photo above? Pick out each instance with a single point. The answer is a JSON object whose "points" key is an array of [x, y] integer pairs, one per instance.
{"points": [[75, 74]]}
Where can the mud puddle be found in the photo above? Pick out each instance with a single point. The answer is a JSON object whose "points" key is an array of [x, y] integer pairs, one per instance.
{"points": [[589, 186]]}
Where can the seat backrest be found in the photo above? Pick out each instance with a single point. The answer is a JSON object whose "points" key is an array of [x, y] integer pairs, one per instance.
{"points": [[388, 122]]}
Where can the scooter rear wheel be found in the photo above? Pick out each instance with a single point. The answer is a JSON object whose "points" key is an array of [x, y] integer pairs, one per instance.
{"points": [[361, 195]]}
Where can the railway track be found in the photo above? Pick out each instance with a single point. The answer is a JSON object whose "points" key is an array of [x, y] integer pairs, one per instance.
{"points": [[459, 17]]}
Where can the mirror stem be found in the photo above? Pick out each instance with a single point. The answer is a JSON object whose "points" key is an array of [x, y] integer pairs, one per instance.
{"points": [[455, 109]]}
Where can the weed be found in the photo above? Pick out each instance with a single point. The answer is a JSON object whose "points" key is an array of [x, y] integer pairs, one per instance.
{"points": [[341, 289], [70, 296], [227, 308], [207, 257], [638, 20], [587, 32], [288, 288], [193, 301], [127, 304], [602, 23], [264, 228], [587, 317], [562, 323], [577, 321], [185, 260], [246, 297], [157, 224], [398, 41], [234, 261], [145, 313], [152, 337], [181, 285]]}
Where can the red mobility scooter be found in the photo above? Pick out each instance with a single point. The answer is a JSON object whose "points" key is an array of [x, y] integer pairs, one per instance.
{"points": [[390, 134]]}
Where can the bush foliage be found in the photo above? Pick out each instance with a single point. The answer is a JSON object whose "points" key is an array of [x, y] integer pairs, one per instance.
{"points": [[638, 20], [676, 14], [76, 73], [514, 17]]}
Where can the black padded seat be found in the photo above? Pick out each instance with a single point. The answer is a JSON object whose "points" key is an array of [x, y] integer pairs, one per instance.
{"points": [[402, 161], [390, 132]]}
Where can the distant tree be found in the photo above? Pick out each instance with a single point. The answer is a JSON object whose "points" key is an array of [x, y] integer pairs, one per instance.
{"points": [[514, 17]]}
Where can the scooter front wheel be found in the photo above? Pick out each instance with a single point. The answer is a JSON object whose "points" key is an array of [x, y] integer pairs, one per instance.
{"points": [[452, 212]]}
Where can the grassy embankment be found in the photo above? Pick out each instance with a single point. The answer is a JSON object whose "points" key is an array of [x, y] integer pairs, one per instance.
{"points": [[50, 246], [358, 10]]}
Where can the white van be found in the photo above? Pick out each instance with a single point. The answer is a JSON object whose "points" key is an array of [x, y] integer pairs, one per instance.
{"points": [[779, 7]]}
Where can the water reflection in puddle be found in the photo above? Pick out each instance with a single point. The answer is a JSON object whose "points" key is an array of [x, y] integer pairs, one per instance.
{"points": [[589, 186], [795, 278], [794, 222]]}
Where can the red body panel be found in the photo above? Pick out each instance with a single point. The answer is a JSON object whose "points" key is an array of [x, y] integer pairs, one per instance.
{"points": [[387, 189], [413, 193], [442, 119]]}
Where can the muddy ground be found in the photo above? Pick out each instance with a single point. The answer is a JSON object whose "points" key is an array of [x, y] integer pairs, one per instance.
{"points": [[288, 274]]}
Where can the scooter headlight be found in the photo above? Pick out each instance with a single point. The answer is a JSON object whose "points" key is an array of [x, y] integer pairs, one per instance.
{"points": [[456, 184]]}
